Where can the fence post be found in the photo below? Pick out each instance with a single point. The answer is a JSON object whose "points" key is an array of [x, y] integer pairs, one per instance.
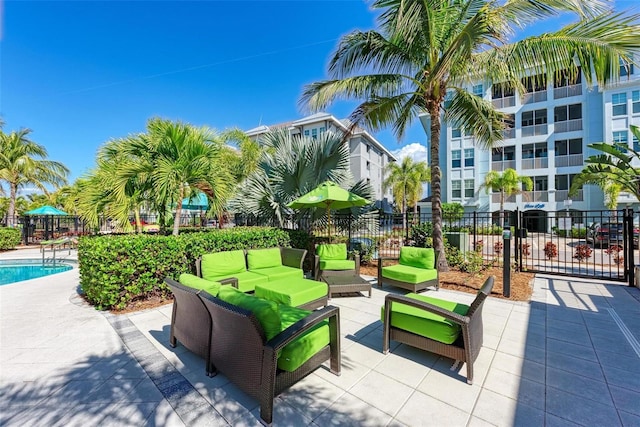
{"points": [[630, 247], [349, 232], [406, 231], [475, 228]]}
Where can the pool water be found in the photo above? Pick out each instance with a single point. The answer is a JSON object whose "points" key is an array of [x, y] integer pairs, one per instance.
{"points": [[12, 271]]}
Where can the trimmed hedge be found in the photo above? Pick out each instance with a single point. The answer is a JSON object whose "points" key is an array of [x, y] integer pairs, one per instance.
{"points": [[9, 238], [117, 270]]}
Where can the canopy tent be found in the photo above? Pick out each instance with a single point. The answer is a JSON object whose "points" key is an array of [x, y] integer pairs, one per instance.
{"points": [[197, 202], [46, 210]]}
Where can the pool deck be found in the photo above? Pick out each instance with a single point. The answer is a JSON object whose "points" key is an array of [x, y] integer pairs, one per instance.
{"points": [[570, 357]]}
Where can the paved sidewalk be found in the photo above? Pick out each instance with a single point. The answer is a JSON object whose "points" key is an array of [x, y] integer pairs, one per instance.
{"points": [[570, 357]]}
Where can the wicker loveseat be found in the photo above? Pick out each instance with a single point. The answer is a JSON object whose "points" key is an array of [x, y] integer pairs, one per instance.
{"points": [[263, 358], [443, 327], [253, 266], [416, 269]]}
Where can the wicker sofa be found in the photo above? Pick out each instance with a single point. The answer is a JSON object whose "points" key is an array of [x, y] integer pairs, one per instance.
{"points": [[252, 266], [446, 328]]}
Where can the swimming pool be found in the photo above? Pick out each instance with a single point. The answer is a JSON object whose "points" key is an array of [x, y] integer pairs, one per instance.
{"points": [[17, 270]]}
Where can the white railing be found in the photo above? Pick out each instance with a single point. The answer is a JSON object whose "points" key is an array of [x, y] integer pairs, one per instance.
{"points": [[570, 160], [508, 101], [535, 163], [495, 198], [568, 125], [535, 196], [566, 91], [531, 97], [503, 165], [562, 195], [534, 130], [509, 133]]}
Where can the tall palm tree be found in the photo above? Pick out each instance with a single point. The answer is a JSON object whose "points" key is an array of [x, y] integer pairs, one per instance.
{"points": [[508, 183], [23, 163], [291, 166], [426, 50], [405, 181]]}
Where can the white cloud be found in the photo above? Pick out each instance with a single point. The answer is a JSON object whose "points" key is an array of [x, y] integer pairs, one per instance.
{"points": [[415, 150]]}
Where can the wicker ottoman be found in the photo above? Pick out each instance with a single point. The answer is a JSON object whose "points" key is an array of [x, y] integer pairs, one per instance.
{"points": [[302, 293]]}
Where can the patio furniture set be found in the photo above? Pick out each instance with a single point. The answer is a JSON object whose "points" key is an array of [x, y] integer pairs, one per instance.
{"points": [[254, 317]]}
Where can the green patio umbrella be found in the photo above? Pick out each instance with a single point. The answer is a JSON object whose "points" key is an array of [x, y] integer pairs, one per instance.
{"points": [[329, 196], [46, 210]]}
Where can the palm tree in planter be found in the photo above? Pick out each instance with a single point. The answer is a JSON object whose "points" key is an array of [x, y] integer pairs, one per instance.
{"points": [[424, 51], [507, 183], [405, 181]]}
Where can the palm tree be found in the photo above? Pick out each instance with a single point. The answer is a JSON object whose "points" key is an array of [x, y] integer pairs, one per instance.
{"points": [[22, 163], [405, 181], [508, 184], [425, 51], [613, 170], [293, 165]]}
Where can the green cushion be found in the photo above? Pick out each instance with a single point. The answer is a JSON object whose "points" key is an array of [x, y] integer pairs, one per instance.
{"points": [[265, 311], [279, 273], [247, 280], [293, 293], [404, 273], [298, 351], [263, 258], [417, 257], [199, 283], [222, 264], [332, 251], [424, 323], [337, 264]]}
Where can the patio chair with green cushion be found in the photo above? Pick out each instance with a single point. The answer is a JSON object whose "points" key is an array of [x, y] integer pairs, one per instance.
{"points": [[333, 259], [416, 269], [443, 327]]}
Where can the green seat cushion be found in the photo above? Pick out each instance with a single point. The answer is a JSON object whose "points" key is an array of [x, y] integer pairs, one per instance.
{"points": [[222, 264], [294, 292], [424, 323], [404, 273], [247, 280], [199, 283], [417, 257], [265, 311], [279, 273], [332, 251], [337, 264], [263, 258], [298, 351]]}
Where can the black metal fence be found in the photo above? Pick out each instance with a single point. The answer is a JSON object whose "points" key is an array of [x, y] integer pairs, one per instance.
{"points": [[38, 228]]}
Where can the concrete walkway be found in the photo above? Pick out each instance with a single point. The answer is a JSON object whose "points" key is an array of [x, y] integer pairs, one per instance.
{"points": [[570, 357]]}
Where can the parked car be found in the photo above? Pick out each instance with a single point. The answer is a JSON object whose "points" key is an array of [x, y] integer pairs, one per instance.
{"points": [[609, 233]]}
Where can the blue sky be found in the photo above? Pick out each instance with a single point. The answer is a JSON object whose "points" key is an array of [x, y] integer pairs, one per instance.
{"points": [[81, 72]]}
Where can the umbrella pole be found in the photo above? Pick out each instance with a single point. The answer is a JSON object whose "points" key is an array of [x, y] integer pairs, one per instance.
{"points": [[329, 220]]}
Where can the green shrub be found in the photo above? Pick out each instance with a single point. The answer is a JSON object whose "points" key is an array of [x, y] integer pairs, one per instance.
{"points": [[455, 258], [422, 235], [9, 238], [117, 270]]}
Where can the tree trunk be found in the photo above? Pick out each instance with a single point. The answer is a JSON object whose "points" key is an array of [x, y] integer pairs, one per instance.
{"points": [[404, 211], [13, 190], [176, 219], [436, 191], [136, 213]]}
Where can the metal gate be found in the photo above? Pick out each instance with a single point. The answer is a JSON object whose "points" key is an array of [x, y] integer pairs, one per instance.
{"points": [[590, 244]]}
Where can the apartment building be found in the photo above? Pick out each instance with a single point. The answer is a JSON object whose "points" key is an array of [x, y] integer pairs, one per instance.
{"points": [[549, 131], [368, 158]]}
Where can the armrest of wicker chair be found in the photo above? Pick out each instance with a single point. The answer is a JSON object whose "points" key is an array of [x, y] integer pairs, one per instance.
{"points": [[381, 261], [292, 257], [233, 281], [356, 258]]}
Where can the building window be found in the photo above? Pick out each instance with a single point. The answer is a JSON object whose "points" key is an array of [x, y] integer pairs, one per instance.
{"points": [[635, 101], [468, 188], [567, 147], [456, 189], [534, 122], [540, 183], [636, 143], [567, 78], [509, 126], [619, 104], [620, 137], [456, 161], [314, 133], [502, 95], [567, 118], [323, 129], [536, 89], [368, 165], [626, 69], [504, 154], [478, 90], [534, 151], [368, 148], [564, 182], [306, 132], [468, 157], [456, 133]]}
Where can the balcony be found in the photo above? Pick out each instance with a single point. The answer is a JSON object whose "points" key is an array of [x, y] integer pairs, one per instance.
{"points": [[570, 160], [535, 196], [535, 163], [509, 133], [531, 97], [508, 101], [534, 130], [566, 91], [503, 165], [568, 125], [495, 198], [562, 195]]}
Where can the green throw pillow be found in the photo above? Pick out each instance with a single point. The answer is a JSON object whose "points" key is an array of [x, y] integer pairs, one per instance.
{"points": [[332, 251], [196, 282], [417, 257], [264, 258], [265, 311], [223, 264]]}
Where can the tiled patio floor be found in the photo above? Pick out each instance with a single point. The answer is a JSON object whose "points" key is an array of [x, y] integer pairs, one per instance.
{"points": [[570, 357]]}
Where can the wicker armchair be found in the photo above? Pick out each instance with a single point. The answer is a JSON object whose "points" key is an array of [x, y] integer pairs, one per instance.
{"points": [[415, 285], [469, 341], [241, 352], [352, 259]]}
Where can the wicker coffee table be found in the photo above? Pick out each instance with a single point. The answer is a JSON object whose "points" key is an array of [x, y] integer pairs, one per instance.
{"points": [[347, 283]]}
